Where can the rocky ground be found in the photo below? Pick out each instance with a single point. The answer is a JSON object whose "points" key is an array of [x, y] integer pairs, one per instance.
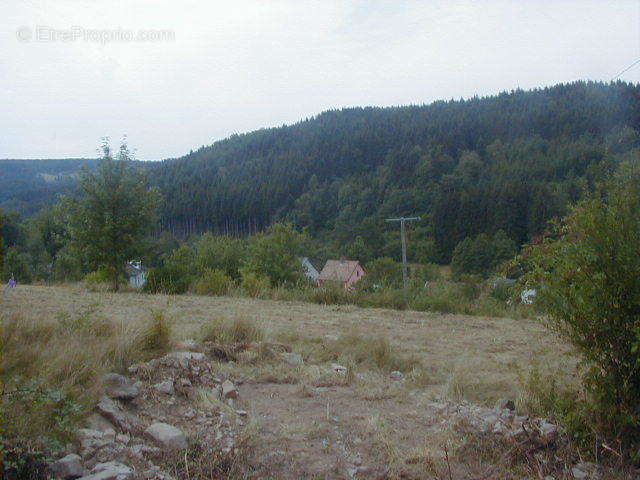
{"points": [[185, 416]]}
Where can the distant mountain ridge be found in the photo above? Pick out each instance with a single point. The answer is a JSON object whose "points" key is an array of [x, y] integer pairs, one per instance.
{"points": [[509, 161]]}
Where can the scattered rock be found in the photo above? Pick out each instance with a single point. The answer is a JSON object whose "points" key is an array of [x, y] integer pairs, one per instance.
{"points": [[229, 390], [548, 431], [165, 387], [109, 471], [242, 413], [167, 436], [505, 404], [68, 467], [332, 337], [578, 474], [120, 387], [396, 375], [338, 368], [114, 413], [293, 359], [98, 422]]}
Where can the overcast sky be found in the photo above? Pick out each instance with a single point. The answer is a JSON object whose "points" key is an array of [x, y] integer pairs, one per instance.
{"points": [[232, 67]]}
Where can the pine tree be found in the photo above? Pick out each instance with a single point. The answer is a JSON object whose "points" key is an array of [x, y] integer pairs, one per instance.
{"points": [[114, 212]]}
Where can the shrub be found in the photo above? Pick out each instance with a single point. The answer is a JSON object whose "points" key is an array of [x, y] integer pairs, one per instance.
{"points": [[213, 282], [481, 255], [274, 254], [167, 280], [586, 273], [330, 294], [156, 335], [383, 272], [254, 285]]}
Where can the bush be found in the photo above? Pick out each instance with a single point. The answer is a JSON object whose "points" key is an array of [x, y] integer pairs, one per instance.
{"points": [[213, 282], [167, 280], [330, 294], [254, 285], [586, 274], [481, 255], [156, 337]]}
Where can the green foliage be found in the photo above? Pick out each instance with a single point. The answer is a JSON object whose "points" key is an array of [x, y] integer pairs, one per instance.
{"points": [[97, 278], [384, 273], [113, 213], [275, 254], [168, 280], [586, 274], [481, 255], [219, 252], [17, 263], [254, 285], [213, 282]]}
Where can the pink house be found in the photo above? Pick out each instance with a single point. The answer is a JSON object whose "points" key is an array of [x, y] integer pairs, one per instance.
{"points": [[345, 272]]}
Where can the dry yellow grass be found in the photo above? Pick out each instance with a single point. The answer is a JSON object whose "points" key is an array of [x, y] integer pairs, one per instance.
{"points": [[318, 419], [475, 358]]}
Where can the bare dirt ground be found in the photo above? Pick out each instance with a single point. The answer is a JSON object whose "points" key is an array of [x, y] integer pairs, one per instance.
{"points": [[367, 424]]}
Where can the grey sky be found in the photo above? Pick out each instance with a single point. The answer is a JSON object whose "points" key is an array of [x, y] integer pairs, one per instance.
{"points": [[241, 65]]}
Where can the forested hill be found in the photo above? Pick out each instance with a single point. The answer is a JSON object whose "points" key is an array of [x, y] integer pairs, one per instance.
{"points": [[509, 162], [28, 185]]}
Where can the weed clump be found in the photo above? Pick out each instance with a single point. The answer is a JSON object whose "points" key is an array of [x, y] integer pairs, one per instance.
{"points": [[234, 331]]}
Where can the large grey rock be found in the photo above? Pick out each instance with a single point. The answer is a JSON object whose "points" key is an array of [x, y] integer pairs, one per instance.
{"points": [[109, 471], [167, 436], [165, 387], [116, 415], [120, 387], [68, 467], [578, 474]]}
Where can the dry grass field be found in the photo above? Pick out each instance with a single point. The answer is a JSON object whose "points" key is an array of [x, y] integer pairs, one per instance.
{"points": [[366, 425]]}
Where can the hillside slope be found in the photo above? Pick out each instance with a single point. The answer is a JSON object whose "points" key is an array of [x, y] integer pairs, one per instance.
{"points": [[509, 162]]}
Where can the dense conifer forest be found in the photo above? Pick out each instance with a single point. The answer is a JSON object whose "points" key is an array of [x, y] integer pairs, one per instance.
{"points": [[509, 162]]}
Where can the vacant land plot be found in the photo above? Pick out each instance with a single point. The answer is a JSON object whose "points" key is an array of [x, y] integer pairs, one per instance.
{"points": [[371, 424]]}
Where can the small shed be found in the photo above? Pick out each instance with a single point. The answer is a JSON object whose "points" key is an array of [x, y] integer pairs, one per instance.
{"points": [[345, 272], [309, 270], [136, 273]]}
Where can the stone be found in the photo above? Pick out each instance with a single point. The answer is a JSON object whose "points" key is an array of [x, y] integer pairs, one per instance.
{"points": [[338, 368], [505, 404], [396, 375], [548, 431], [99, 423], [578, 474], [167, 436], [229, 390], [120, 387], [293, 359], [165, 387], [242, 413], [114, 413], [332, 337], [109, 471], [68, 467]]}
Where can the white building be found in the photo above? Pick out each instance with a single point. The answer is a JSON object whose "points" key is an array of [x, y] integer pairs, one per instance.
{"points": [[309, 270], [136, 273]]}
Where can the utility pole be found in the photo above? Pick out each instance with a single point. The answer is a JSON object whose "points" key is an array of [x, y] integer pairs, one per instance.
{"points": [[402, 220]]}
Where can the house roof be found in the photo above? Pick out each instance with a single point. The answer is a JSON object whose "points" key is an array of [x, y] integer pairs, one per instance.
{"points": [[309, 269], [338, 270]]}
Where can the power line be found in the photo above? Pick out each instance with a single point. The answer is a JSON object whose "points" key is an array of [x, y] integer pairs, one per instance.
{"points": [[626, 69]]}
